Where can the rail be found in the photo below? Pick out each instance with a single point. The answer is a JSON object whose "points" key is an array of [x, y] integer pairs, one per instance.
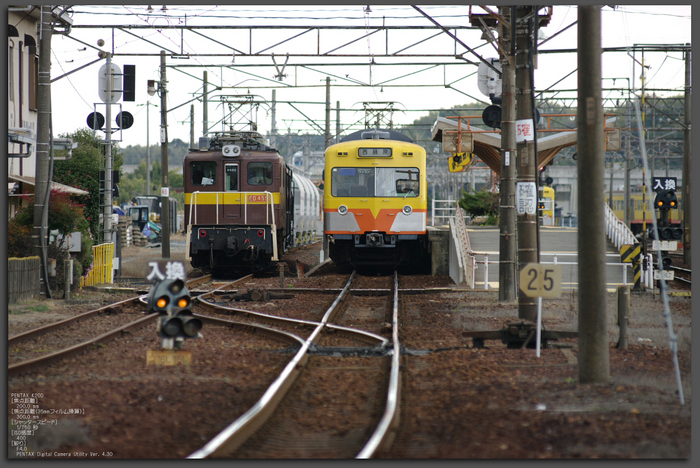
{"points": [[235, 434], [390, 418]]}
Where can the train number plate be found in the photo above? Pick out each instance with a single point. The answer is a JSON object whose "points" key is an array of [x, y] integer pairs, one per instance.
{"points": [[168, 357], [257, 198]]}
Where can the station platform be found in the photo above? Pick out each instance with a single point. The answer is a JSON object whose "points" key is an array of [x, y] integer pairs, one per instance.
{"points": [[557, 245]]}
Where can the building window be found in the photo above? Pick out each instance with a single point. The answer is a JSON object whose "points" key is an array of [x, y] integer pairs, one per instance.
{"points": [[10, 71], [33, 72]]}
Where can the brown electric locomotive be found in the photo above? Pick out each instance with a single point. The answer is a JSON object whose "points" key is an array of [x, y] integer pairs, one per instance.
{"points": [[239, 203]]}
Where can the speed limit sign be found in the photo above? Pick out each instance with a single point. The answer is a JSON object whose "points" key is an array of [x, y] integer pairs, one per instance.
{"points": [[538, 280]]}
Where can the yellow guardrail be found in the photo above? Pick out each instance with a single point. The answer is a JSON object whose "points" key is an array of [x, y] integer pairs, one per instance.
{"points": [[102, 271]]}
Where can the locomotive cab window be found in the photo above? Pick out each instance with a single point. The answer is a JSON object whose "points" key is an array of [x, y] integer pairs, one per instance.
{"points": [[203, 172], [260, 173], [231, 177]]}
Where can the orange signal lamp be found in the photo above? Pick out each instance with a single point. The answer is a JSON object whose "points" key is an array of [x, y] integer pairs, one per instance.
{"points": [[162, 302]]}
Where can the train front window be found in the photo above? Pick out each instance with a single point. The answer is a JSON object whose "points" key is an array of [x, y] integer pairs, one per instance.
{"points": [[375, 182], [203, 172], [260, 173], [231, 177]]}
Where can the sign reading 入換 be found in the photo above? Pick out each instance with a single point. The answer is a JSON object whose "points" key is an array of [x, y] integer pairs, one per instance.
{"points": [[160, 270]]}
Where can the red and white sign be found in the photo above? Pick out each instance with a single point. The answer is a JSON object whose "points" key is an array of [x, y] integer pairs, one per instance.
{"points": [[165, 191], [524, 130]]}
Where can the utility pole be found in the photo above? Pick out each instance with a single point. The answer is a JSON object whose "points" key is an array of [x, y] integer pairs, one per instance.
{"points": [[148, 144], [337, 121], [508, 239], [593, 356], [107, 226], [273, 126], [628, 168], [42, 188], [205, 105], [328, 111], [686, 161], [526, 186], [192, 126], [165, 187]]}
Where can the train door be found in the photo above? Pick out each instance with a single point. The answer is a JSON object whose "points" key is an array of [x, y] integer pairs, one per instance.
{"points": [[232, 201]]}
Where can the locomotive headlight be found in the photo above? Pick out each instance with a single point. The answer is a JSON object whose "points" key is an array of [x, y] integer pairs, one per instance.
{"points": [[342, 209], [407, 210]]}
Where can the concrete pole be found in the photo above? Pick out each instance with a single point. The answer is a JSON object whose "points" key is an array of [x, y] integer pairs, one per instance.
{"points": [[508, 241], [192, 126], [43, 140], [337, 121], [273, 123], [165, 196], [628, 155], [328, 111], [148, 148], [526, 186], [593, 356], [686, 161], [107, 225], [205, 106]]}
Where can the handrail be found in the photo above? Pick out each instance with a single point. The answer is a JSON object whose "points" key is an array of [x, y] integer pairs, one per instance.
{"points": [[617, 231], [268, 200]]}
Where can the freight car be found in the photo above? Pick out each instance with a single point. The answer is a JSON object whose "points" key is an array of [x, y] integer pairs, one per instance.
{"points": [[375, 200], [240, 204]]}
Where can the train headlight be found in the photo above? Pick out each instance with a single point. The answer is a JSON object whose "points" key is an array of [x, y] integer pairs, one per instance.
{"points": [[407, 210], [342, 209]]}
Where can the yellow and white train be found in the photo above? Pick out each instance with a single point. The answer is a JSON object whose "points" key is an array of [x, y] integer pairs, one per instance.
{"points": [[375, 200]]}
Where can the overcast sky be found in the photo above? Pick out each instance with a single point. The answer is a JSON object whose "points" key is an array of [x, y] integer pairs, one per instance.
{"points": [[74, 96]]}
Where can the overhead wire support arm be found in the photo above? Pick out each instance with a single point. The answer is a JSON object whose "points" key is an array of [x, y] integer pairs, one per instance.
{"points": [[218, 42], [498, 72], [146, 40]]}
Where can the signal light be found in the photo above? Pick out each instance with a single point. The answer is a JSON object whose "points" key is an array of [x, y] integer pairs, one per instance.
{"points": [[261, 233], [171, 299], [202, 233], [666, 199]]}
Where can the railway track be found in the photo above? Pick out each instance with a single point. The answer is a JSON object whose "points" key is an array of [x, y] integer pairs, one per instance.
{"points": [[58, 340], [273, 425]]}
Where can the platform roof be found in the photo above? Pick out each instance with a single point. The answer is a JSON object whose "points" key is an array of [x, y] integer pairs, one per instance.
{"points": [[487, 145]]}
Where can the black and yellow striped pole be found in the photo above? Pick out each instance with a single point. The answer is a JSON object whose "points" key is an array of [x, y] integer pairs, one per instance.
{"points": [[631, 253]]}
